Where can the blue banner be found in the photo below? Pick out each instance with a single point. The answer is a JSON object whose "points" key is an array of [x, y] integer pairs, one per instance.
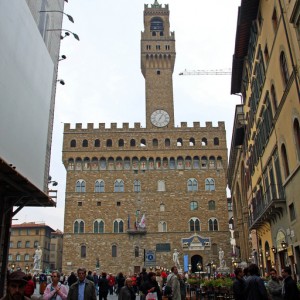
{"points": [[186, 263]]}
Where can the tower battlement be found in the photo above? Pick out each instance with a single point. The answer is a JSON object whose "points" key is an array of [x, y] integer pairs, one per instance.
{"points": [[137, 126]]}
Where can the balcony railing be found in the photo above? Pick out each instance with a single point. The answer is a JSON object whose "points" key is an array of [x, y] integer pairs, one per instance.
{"points": [[268, 207], [137, 231]]}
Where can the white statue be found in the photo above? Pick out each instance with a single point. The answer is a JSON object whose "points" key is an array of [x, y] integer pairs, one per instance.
{"points": [[221, 258], [176, 259], [37, 258]]}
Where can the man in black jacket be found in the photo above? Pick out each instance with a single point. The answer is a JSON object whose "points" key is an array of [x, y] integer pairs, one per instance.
{"points": [[289, 289], [239, 284]]}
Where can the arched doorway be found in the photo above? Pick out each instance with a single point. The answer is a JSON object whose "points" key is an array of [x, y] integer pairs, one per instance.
{"points": [[196, 260]]}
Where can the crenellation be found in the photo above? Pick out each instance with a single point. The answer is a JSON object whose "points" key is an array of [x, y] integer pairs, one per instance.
{"points": [[90, 126], [183, 124], [126, 126], [78, 125], [208, 125], [113, 125], [196, 124], [137, 125], [101, 126], [221, 125]]}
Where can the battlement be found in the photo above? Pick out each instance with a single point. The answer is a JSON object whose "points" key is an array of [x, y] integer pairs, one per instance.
{"points": [[79, 127]]}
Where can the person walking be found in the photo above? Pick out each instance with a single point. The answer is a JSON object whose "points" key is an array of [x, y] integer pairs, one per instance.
{"points": [[173, 282], [103, 287], [151, 286], [120, 282], [111, 283], [72, 279], [55, 290], [274, 286], [96, 281], [127, 291], [255, 288], [29, 288], [239, 284], [289, 288], [82, 289]]}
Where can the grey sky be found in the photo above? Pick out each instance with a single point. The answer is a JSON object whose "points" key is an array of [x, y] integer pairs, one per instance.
{"points": [[104, 82]]}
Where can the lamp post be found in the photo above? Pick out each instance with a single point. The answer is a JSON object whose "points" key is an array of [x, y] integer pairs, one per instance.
{"points": [[67, 33], [27, 268], [69, 17], [13, 266]]}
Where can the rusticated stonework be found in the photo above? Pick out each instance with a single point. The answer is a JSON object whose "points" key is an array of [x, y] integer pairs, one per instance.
{"points": [[172, 177]]}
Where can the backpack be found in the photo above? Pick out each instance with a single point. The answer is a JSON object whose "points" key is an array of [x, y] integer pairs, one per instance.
{"points": [[168, 289]]}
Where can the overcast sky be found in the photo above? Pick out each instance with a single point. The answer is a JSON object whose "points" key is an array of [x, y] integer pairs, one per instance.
{"points": [[103, 81]]}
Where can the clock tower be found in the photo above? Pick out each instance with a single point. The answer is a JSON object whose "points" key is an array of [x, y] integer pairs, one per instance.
{"points": [[157, 64]]}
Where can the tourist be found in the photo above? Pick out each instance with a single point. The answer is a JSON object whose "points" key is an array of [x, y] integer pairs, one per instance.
{"points": [[127, 292], [55, 290], [173, 282], [151, 286], [82, 289], [103, 286], [289, 289], [255, 288], [239, 284], [111, 283], [274, 286], [16, 286], [30, 286], [120, 280], [72, 279]]}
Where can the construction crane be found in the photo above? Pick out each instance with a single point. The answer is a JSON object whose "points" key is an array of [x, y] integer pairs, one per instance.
{"points": [[206, 72]]}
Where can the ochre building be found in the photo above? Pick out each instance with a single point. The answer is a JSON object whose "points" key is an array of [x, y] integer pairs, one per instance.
{"points": [[134, 195]]}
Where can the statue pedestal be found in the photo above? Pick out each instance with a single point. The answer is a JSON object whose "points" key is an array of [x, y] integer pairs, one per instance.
{"points": [[37, 271]]}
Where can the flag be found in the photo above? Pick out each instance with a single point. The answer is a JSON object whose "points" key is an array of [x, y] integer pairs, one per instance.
{"points": [[142, 223]]}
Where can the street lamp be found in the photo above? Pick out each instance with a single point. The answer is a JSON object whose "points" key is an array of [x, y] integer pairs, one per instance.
{"points": [[13, 266], [284, 245], [274, 250], [67, 33], [27, 268], [69, 17]]}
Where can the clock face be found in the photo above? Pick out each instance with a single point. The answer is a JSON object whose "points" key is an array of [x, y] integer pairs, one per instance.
{"points": [[160, 118]]}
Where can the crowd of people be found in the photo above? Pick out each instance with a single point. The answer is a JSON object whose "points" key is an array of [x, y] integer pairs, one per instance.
{"points": [[89, 286], [247, 285]]}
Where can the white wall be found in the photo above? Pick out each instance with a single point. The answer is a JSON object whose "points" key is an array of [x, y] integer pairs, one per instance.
{"points": [[26, 75]]}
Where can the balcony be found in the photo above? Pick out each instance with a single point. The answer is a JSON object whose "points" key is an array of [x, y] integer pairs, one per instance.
{"points": [[135, 231], [268, 207]]}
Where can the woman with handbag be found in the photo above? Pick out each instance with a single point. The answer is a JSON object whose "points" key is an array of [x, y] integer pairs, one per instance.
{"points": [[150, 288]]}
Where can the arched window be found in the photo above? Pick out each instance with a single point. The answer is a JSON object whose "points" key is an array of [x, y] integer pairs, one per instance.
{"points": [[194, 224], [158, 163], [162, 226], [165, 163], [212, 162], [109, 143], [213, 224], [78, 226], [135, 163], [203, 162], [80, 186], [99, 186], [119, 186], [193, 205], [18, 257], [155, 142], [216, 141], [127, 163], [297, 137], [26, 257], [156, 24], [121, 143], [210, 184], [85, 143], [285, 161], [284, 68], [97, 143], [83, 251], [151, 163], [27, 244], [73, 144], [95, 165], [114, 250], [172, 163], [179, 142], [119, 163], [204, 142], [143, 143], [192, 142], [211, 205], [102, 163], [219, 162], [132, 143], [19, 244], [192, 185], [71, 164], [162, 207], [161, 187], [196, 162], [78, 163], [86, 163], [111, 163], [188, 162], [99, 226], [143, 163], [136, 251], [274, 99], [137, 186], [167, 143], [118, 226], [180, 162], [36, 243]]}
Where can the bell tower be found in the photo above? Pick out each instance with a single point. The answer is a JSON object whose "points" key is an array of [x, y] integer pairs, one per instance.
{"points": [[157, 64]]}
